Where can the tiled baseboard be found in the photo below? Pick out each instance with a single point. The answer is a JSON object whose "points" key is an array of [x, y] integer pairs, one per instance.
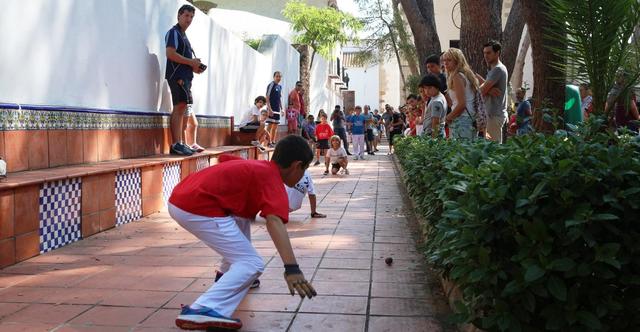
{"points": [[37, 218]]}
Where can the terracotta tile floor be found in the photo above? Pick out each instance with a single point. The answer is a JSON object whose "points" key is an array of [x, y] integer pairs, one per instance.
{"points": [[134, 277]]}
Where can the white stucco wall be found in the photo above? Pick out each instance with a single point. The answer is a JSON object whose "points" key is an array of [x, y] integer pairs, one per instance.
{"points": [[323, 94], [111, 55], [390, 83], [248, 25], [285, 59], [366, 84], [270, 8]]}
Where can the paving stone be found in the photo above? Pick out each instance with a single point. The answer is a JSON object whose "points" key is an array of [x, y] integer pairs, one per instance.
{"points": [[135, 277]]}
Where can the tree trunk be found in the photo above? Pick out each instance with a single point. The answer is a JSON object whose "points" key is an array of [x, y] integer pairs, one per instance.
{"points": [[305, 73], [481, 22], [421, 17], [548, 81], [511, 36], [518, 68], [406, 46]]}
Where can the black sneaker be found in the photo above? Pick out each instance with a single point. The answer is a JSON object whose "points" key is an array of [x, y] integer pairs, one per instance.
{"points": [[188, 148], [179, 149], [255, 284], [348, 153]]}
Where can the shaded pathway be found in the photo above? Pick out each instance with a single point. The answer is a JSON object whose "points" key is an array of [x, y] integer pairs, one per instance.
{"points": [[135, 277]]}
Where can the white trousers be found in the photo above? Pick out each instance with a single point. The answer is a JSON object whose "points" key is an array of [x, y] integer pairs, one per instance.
{"points": [[241, 263], [358, 145]]}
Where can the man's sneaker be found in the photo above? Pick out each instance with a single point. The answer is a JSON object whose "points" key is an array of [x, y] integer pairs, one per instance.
{"points": [[255, 284], [180, 149], [355, 158], [205, 318], [316, 163], [348, 153], [196, 147], [346, 171], [188, 148], [361, 157]]}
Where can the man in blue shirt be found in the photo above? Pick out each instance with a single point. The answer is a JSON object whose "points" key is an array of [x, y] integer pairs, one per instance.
{"points": [[274, 106], [357, 122], [179, 74]]}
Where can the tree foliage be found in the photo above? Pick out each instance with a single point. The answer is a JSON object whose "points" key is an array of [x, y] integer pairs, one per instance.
{"points": [[387, 36], [597, 34], [421, 17], [321, 28]]}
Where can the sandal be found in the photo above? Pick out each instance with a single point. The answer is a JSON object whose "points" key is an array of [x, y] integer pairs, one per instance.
{"points": [[318, 215]]}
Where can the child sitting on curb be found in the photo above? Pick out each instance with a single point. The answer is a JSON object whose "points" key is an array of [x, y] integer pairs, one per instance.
{"points": [[337, 156], [211, 204], [296, 195]]}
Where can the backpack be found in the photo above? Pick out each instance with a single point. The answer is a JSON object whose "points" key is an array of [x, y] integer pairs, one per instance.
{"points": [[480, 120]]}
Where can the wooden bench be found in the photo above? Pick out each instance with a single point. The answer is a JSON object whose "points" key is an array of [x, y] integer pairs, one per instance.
{"points": [[42, 210]]}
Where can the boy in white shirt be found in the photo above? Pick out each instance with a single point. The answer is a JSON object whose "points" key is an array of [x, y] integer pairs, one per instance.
{"points": [[253, 122], [296, 195], [337, 156]]}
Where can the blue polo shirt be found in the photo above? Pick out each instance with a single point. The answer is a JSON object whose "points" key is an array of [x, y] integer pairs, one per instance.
{"points": [[274, 91], [177, 39], [357, 124]]}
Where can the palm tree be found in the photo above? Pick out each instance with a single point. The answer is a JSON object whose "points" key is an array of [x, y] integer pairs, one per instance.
{"points": [[598, 34]]}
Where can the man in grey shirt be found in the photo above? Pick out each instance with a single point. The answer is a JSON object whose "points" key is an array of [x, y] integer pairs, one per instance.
{"points": [[494, 91]]}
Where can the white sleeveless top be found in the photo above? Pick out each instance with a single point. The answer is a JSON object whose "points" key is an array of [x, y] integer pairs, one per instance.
{"points": [[468, 94]]}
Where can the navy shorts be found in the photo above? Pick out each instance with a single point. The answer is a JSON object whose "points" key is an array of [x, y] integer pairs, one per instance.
{"points": [[180, 91]]}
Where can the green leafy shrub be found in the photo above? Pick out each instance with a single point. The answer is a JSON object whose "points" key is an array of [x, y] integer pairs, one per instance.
{"points": [[541, 233]]}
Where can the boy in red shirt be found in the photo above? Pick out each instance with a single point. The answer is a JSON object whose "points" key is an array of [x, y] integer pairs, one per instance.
{"points": [[323, 133], [217, 205]]}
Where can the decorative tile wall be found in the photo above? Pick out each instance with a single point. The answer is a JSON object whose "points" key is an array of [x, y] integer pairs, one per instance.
{"points": [[202, 163], [244, 154], [170, 178], [60, 221], [29, 119], [128, 196]]}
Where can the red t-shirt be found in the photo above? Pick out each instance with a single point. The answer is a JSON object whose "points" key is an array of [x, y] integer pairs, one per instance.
{"points": [[324, 131], [234, 187], [294, 100]]}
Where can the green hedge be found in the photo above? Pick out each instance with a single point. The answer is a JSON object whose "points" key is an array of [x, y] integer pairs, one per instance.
{"points": [[541, 233]]}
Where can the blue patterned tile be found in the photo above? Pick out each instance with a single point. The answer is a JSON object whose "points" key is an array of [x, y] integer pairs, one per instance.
{"points": [[60, 222], [170, 178], [128, 196], [202, 163]]}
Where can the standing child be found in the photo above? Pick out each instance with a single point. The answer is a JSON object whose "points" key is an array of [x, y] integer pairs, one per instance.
{"points": [[296, 195], [292, 121], [436, 113], [323, 133], [212, 205], [337, 156]]}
